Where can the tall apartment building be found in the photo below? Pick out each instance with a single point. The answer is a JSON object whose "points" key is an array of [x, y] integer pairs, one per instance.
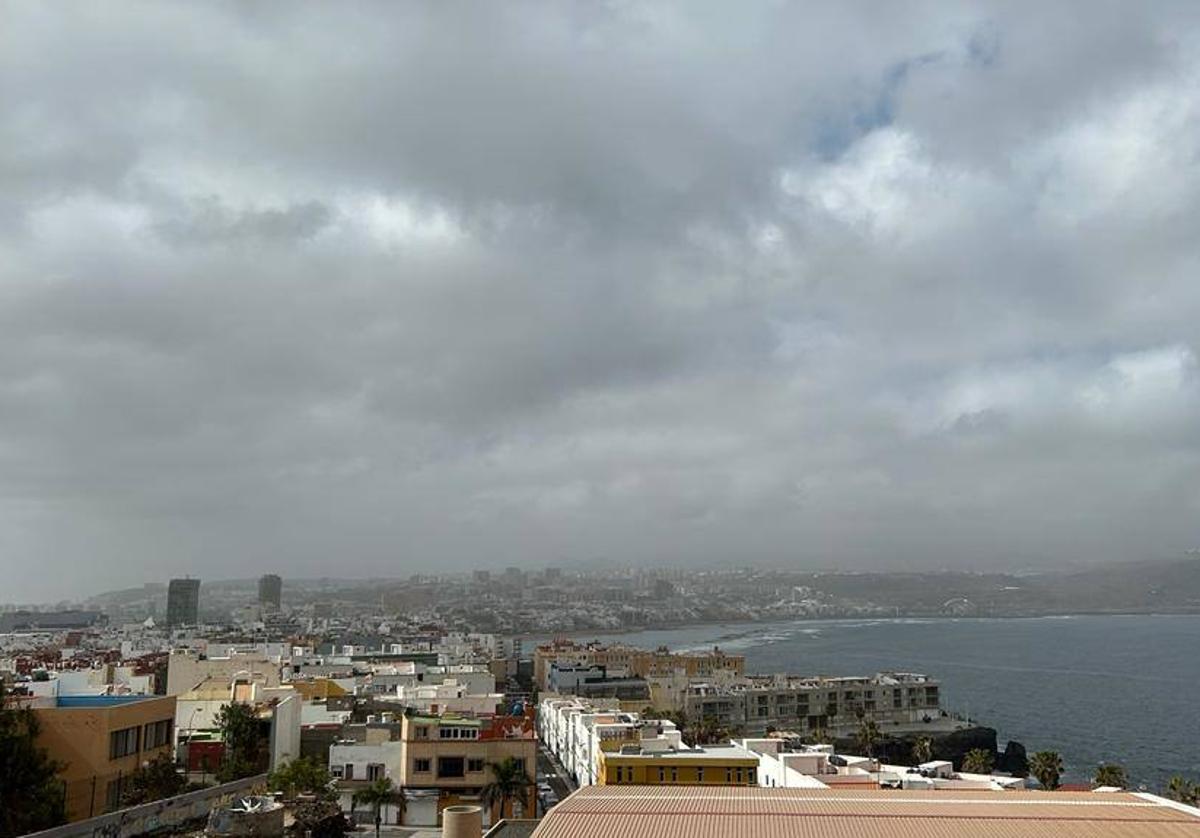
{"points": [[183, 602], [270, 590]]}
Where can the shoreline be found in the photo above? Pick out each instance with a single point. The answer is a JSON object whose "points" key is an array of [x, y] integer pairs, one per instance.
{"points": [[579, 633]]}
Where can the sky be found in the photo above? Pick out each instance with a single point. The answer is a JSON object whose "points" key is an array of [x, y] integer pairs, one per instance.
{"points": [[372, 289]]}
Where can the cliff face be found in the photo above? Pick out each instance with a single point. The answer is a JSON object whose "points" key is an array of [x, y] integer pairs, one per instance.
{"points": [[952, 746]]}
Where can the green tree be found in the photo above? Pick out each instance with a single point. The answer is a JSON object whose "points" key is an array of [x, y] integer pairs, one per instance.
{"points": [[155, 780], [818, 736], [509, 784], [922, 750], [305, 775], [379, 794], [978, 761], [1111, 774], [31, 795], [867, 736], [707, 731], [1047, 767], [1183, 790], [242, 733]]}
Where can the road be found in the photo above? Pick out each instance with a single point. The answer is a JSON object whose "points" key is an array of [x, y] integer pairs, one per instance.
{"points": [[556, 775]]}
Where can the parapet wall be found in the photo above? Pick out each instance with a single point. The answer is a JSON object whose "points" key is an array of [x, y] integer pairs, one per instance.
{"points": [[161, 814]]}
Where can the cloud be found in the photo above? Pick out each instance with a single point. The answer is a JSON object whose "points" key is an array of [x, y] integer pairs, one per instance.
{"points": [[392, 289]]}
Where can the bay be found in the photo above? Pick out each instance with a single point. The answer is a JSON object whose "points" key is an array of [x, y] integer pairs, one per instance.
{"points": [[1124, 689]]}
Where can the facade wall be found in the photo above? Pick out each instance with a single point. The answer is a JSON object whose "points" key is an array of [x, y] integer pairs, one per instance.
{"points": [[677, 769], [81, 739], [285, 731], [829, 705], [622, 660], [360, 758]]}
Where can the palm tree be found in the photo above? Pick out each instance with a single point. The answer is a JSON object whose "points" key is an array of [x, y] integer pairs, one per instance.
{"points": [[1047, 767], [1110, 774], [378, 795], [978, 761], [707, 731], [509, 784], [868, 736], [922, 750], [1183, 790]]}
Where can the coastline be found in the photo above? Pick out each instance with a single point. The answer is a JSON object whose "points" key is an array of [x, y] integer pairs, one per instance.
{"points": [[577, 634]]}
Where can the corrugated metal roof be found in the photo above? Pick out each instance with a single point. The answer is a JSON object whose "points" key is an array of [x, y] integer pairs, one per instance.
{"points": [[697, 812]]}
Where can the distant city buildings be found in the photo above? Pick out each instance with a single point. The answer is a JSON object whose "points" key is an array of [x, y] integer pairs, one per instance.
{"points": [[270, 591], [620, 660], [183, 602]]}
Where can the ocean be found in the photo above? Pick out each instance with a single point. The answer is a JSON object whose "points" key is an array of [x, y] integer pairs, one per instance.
{"points": [[1123, 689]]}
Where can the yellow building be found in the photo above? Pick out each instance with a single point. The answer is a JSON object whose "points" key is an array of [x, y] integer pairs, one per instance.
{"points": [[101, 740], [314, 689], [712, 765]]}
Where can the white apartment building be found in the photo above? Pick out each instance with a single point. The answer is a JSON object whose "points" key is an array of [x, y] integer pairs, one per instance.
{"points": [[576, 730], [832, 704], [781, 767]]}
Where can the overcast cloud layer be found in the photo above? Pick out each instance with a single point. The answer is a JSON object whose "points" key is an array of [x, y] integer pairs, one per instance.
{"points": [[355, 289]]}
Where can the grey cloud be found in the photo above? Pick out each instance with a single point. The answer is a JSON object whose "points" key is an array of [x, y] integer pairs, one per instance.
{"points": [[207, 222], [435, 285]]}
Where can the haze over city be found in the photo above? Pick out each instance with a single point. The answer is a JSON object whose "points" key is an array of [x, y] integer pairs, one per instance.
{"points": [[377, 289]]}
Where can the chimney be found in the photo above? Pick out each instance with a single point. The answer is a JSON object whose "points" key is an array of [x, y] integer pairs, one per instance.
{"points": [[462, 822]]}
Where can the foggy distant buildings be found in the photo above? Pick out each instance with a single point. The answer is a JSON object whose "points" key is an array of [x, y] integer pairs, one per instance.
{"points": [[270, 590], [183, 602]]}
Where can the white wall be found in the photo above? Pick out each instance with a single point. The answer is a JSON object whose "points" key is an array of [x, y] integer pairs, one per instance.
{"points": [[285, 731], [389, 754]]}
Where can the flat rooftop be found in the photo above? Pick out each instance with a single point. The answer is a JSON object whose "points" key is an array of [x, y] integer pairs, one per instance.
{"points": [[698, 812], [713, 752]]}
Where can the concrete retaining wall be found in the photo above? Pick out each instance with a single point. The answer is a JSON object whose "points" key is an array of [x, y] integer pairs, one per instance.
{"points": [[138, 820]]}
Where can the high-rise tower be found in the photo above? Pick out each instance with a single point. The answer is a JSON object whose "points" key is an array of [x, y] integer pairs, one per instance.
{"points": [[270, 590], [183, 602]]}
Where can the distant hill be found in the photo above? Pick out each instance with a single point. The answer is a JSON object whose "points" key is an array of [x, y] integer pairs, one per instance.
{"points": [[1169, 585]]}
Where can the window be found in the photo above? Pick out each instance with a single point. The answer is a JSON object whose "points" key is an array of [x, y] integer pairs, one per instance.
{"points": [[620, 773], [662, 774], [122, 743], [336, 771], [752, 779], [474, 766], [458, 733], [700, 775], [349, 772], [729, 776], [421, 766], [375, 771], [739, 776], [450, 767], [520, 763], [156, 734], [422, 732], [112, 795], [674, 774]]}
